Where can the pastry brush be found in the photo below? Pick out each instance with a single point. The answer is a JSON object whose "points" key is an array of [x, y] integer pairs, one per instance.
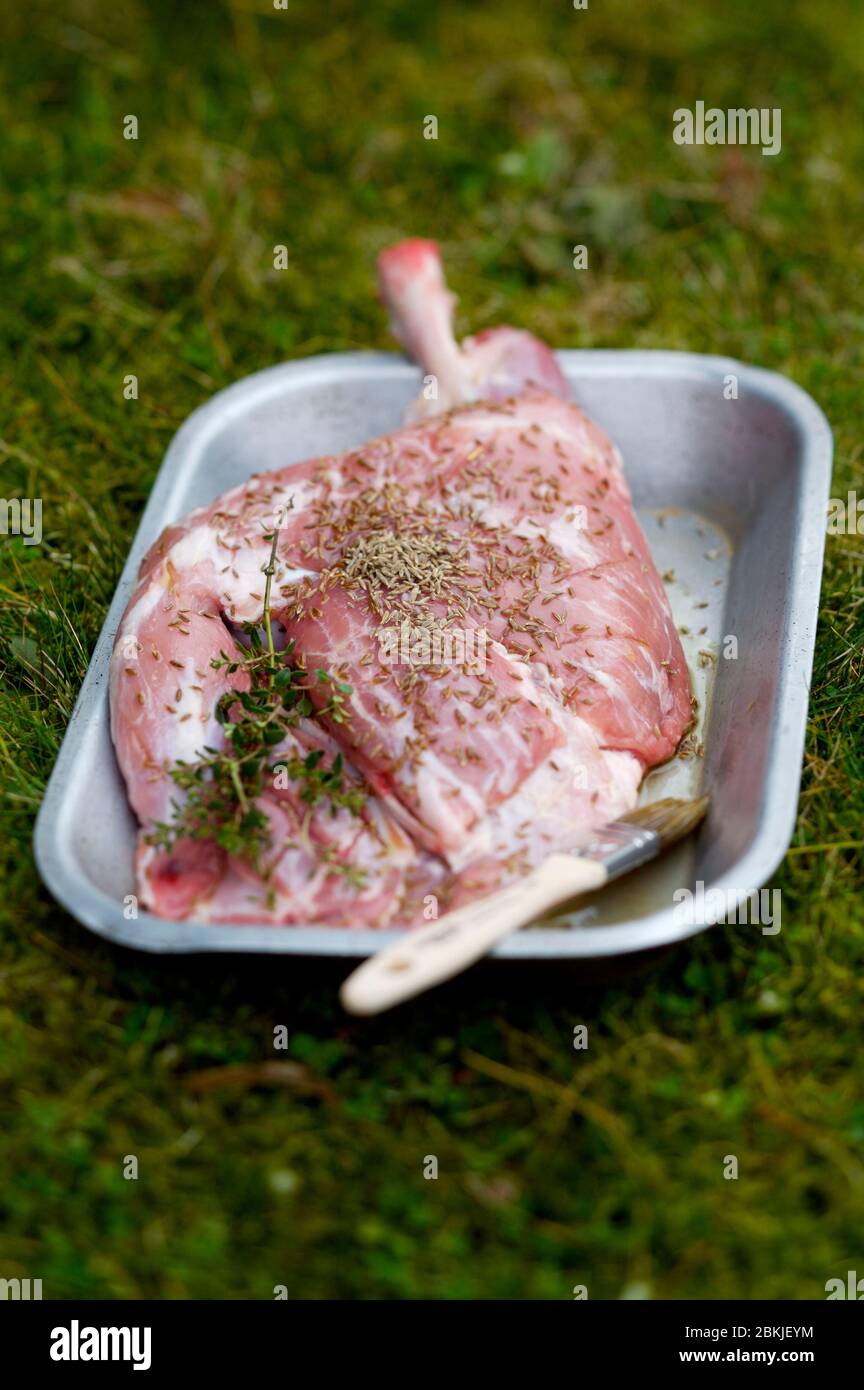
{"points": [[433, 953]]}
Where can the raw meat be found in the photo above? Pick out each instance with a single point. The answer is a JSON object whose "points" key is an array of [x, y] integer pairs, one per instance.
{"points": [[502, 512]]}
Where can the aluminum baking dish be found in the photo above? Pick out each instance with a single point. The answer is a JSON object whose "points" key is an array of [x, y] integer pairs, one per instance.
{"points": [[732, 494]]}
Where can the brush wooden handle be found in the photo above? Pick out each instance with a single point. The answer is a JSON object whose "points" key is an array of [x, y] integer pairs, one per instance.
{"points": [[430, 954]]}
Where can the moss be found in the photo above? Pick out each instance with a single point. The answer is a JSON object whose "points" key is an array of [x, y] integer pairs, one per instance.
{"points": [[154, 257]]}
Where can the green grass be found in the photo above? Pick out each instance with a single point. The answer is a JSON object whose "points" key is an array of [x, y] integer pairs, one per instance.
{"points": [[154, 257]]}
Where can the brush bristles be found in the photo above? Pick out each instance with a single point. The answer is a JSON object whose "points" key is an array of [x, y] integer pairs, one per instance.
{"points": [[671, 819]]}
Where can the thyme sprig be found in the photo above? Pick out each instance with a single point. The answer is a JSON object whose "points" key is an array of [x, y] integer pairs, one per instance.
{"points": [[222, 785]]}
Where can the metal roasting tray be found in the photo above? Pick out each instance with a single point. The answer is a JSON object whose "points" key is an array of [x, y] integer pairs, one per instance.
{"points": [[732, 494]]}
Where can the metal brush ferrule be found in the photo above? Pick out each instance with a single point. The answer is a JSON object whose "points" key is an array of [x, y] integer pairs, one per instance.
{"points": [[622, 847]]}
